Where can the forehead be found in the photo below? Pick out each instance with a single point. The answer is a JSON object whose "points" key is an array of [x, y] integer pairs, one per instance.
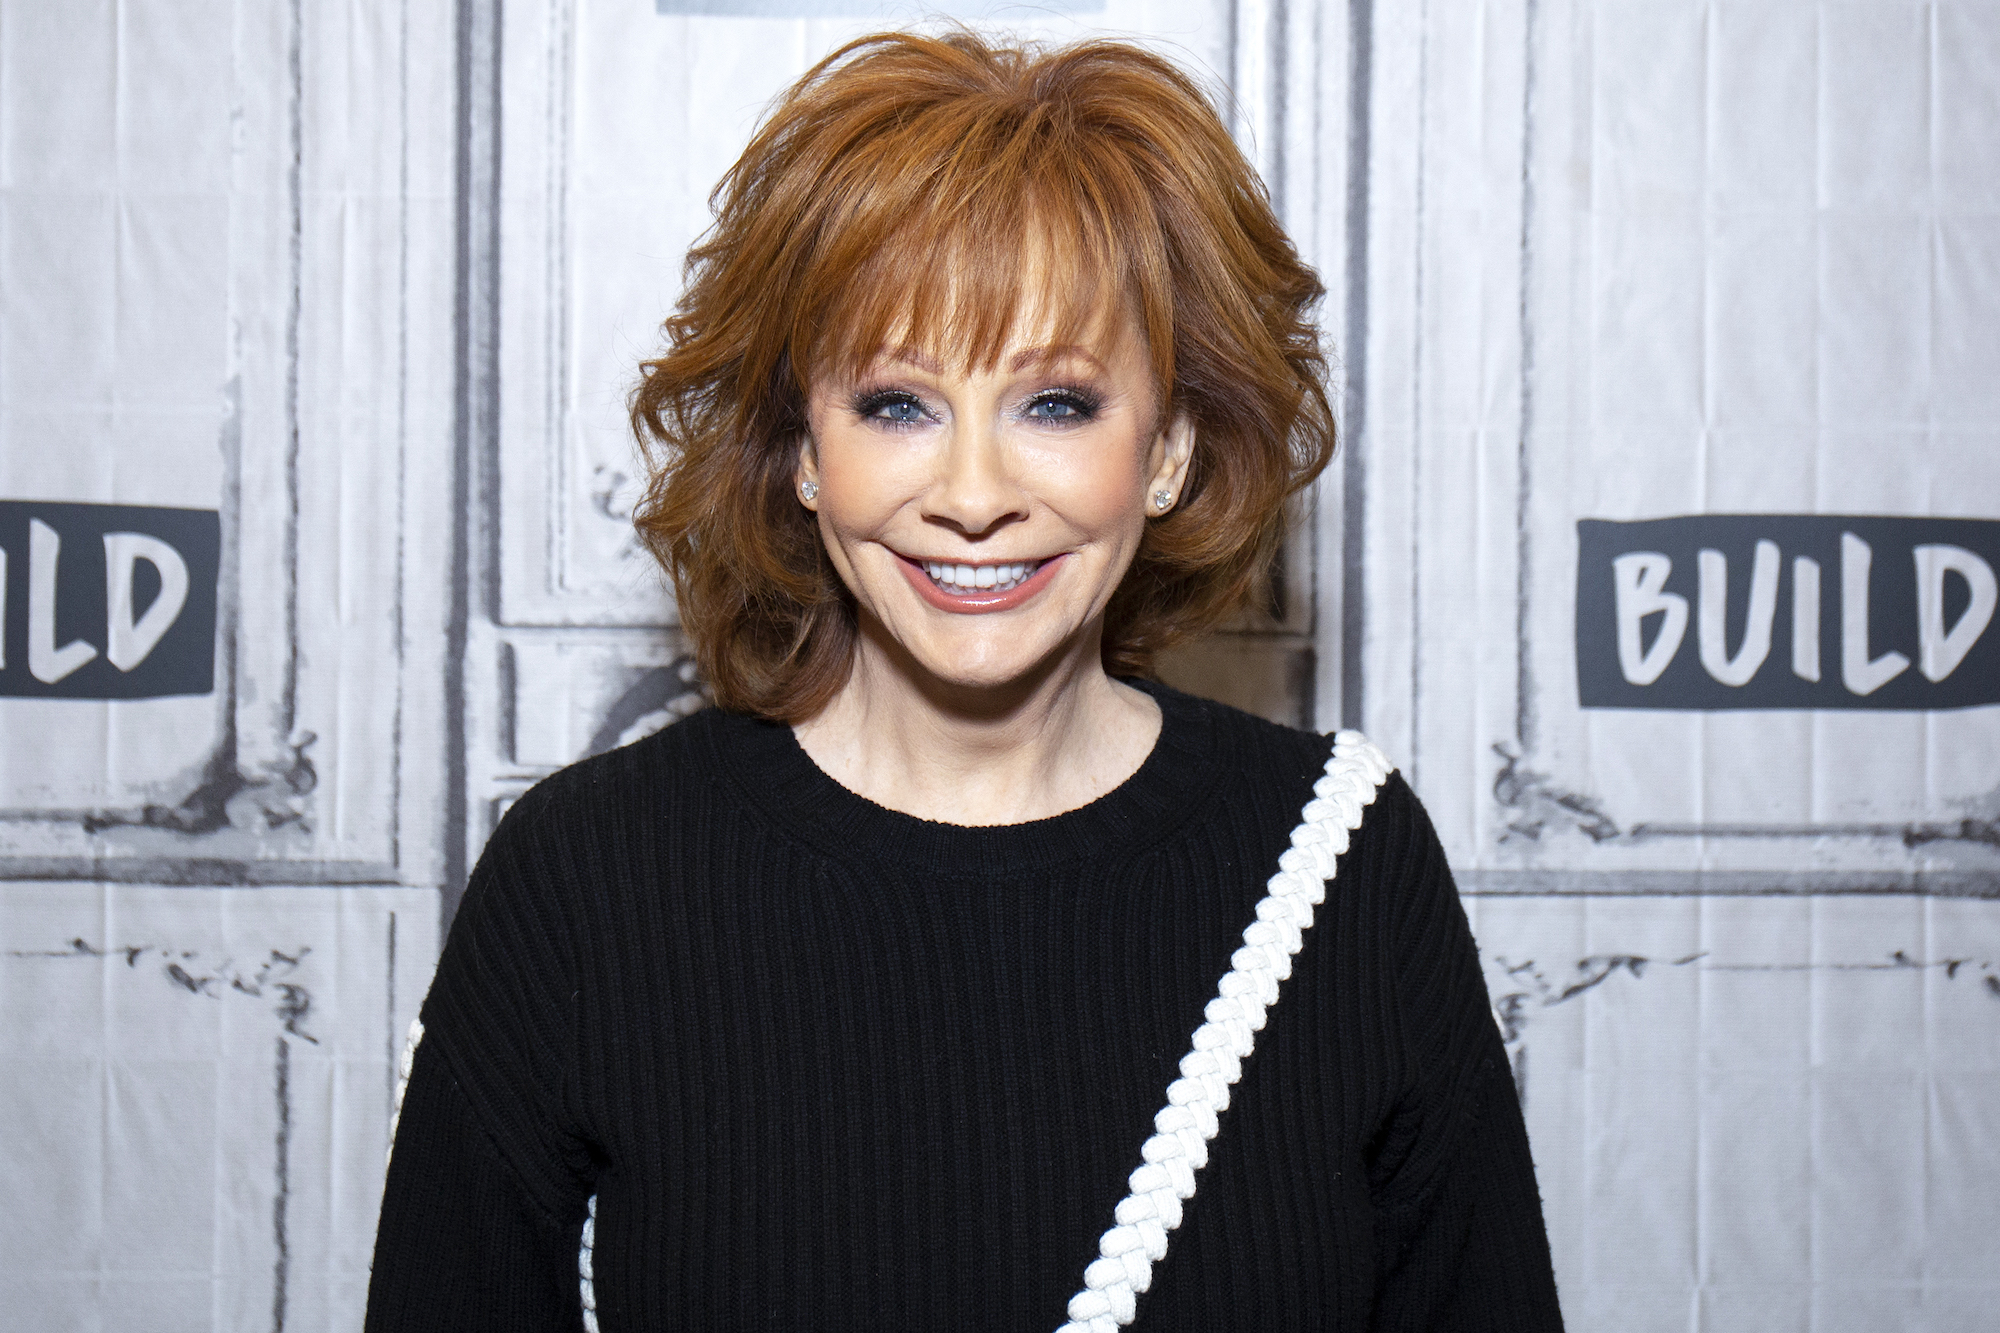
{"points": [[974, 299]]}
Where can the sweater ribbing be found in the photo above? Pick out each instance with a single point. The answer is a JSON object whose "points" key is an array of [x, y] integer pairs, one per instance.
{"points": [[829, 1066]]}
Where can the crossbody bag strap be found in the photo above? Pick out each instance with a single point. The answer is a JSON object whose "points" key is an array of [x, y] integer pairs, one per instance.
{"points": [[1178, 1149]]}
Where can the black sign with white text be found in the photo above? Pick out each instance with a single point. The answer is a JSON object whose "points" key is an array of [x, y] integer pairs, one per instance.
{"points": [[107, 601], [1726, 611]]}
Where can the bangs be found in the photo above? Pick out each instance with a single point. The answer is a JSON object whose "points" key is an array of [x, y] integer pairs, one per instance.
{"points": [[950, 239]]}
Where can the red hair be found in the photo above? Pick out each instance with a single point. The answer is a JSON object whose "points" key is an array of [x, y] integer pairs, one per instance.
{"points": [[905, 185]]}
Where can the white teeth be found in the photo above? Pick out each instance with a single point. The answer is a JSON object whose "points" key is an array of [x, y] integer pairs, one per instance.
{"points": [[964, 579]]}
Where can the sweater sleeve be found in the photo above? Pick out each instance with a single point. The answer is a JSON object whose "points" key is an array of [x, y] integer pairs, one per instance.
{"points": [[488, 1178], [1460, 1239], [460, 1244]]}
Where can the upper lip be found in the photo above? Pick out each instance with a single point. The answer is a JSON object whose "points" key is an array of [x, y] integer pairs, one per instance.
{"points": [[975, 562]]}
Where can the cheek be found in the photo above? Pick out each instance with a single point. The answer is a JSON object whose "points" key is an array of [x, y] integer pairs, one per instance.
{"points": [[860, 482], [1096, 485]]}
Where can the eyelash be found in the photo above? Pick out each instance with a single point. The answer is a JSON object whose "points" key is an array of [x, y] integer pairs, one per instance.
{"points": [[869, 402], [1084, 405]]}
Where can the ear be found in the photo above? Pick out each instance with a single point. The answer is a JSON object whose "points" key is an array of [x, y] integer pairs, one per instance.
{"points": [[1170, 456], [805, 477]]}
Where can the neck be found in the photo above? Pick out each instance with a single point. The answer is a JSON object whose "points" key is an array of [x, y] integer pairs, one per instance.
{"points": [[1053, 740]]}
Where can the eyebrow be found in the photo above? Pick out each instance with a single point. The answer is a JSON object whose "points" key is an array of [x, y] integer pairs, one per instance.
{"points": [[1029, 356], [1021, 360], [911, 356]]}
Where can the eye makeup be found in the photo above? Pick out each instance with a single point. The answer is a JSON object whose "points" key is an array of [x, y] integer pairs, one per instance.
{"points": [[1058, 405], [1064, 405], [888, 407]]}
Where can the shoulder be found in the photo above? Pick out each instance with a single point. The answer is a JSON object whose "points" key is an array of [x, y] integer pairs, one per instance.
{"points": [[1243, 745], [601, 826], [583, 835], [1255, 751], [1395, 849], [667, 754], [606, 792], [1272, 771]]}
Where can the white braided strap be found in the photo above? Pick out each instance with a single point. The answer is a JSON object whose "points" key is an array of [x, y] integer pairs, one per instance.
{"points": [[1179, 1148], [410, 1044], [586, 1276]]}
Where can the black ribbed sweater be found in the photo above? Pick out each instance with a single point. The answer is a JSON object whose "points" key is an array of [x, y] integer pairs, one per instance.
{"points": [[827, 1066]]}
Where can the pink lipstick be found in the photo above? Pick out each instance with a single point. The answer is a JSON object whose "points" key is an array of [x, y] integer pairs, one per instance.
{"points": [[980, 600]]}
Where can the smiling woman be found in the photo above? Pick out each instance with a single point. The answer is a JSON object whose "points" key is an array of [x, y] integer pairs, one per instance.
{"points": [[982, 521], [918, 983], [965, 204]]}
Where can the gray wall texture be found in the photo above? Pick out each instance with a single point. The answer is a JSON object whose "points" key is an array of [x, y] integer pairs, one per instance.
{"points": [[1661, 555]]}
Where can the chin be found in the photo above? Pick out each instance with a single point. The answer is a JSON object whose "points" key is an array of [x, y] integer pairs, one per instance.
{"points": [[985, 666]]}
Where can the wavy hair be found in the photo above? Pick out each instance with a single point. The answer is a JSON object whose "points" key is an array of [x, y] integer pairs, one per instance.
{"points": [[905, 186]]}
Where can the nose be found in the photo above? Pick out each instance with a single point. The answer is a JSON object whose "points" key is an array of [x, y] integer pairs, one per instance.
{"points": [[974, 490]]}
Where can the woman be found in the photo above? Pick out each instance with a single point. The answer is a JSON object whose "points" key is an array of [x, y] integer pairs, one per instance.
{"points": [[858, 1001]]}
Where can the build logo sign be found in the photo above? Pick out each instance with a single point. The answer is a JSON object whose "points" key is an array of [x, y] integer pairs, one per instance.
{"points": [[1722, 611], [107, 601]]}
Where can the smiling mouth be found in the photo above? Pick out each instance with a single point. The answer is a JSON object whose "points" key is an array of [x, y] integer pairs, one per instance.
{"points": [[973, 580]]}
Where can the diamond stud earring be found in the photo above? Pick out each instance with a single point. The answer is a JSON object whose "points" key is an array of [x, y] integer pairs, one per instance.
{"points": [[809, 489], [1161, 499]]}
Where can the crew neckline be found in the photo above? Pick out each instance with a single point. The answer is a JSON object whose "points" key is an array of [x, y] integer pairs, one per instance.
{"points": [[777, 776]]}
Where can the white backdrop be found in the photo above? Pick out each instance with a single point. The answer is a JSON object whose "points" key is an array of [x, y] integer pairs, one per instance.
{"points": [[360, 288]]}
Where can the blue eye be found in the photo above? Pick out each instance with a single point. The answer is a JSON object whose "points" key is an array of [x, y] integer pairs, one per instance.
{"points": [[897, 409], [1065, 405]]}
